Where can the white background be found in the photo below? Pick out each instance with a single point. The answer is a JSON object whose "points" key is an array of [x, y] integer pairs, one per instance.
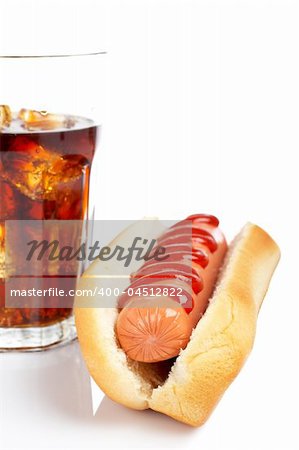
{"points": [[202, 117]]}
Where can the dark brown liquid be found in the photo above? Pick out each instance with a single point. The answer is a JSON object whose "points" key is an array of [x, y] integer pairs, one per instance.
{"points": [[44, 175]]}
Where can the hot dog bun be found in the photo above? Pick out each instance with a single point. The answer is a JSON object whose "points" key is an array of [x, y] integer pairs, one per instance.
{"points": [[218, 347]]}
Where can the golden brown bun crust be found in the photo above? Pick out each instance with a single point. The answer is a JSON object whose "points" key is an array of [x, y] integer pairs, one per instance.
{"points": [[216, 352], [106, 362]]}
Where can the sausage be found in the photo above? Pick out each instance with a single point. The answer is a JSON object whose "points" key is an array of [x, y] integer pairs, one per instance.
{"points": [[152, 328]]}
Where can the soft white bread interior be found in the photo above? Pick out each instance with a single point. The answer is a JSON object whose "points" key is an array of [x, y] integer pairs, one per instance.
{"points": [[189, 387]]}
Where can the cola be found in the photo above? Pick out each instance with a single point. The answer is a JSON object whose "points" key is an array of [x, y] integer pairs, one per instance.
{"points": [[45, 163]]}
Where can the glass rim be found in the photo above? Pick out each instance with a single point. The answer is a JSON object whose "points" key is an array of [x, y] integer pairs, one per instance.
{"points": [[58, 55]]}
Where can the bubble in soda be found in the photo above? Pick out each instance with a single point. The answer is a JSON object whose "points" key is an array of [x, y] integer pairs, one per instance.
{"points": [[43, 120]]}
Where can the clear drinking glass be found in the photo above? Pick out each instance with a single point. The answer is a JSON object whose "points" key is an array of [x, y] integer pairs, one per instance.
{"points": [[51, 113]]}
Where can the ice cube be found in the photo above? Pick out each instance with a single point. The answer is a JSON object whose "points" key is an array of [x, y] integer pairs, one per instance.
{"points": [[25, 166], [37, 172], [43, 120], [5, 115], [67, 168]]}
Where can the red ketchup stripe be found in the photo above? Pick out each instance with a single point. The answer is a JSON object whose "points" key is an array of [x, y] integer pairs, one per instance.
{"points": [[186, 269], [184, 298], [197, 255], [196, 219], [171, 267], [185, 243], [204, 218], [194, 281], [204, 238], [189, 234]]}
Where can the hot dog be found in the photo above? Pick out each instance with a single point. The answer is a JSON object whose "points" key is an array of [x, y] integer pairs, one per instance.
{"points": [[195, 250], [186, 387]]}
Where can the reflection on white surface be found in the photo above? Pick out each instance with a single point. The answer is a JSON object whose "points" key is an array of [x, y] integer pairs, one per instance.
{"points": [[142, 429], [46, 402], [43, 383], [43, 397]]}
